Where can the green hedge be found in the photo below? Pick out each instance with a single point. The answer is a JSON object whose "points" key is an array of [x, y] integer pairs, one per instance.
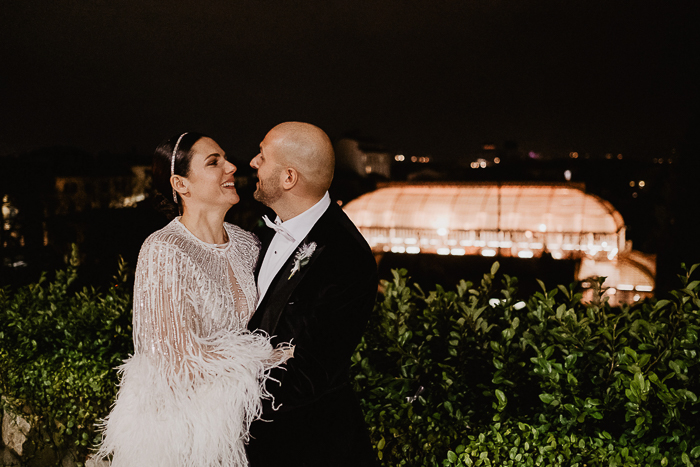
{"points": [[477, 377], [473, 376], [58, 348]]}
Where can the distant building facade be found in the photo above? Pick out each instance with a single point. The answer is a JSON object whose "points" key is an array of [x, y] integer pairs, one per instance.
{"points": [[79, 193], [363, 158]]}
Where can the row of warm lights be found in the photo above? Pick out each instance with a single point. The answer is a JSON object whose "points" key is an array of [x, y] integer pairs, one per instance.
{"points": [[487, 252], [628, 287], [576, 155], [624, 288], [420, 160], [641, 183], [639, 288], [661, 160], [604, 246], [482, 163]]}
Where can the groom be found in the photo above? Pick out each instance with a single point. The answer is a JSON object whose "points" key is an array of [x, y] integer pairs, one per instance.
{"points": [[317, 281]]}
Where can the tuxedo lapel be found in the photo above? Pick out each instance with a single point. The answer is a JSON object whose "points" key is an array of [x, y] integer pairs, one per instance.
{"points": [[277, 296], [282, 287], [265, 240]]}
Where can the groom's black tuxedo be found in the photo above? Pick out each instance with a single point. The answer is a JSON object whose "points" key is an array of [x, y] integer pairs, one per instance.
{"points": [[323, 310]]}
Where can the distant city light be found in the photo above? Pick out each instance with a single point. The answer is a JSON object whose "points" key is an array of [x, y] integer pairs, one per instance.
{"points": [[608, 156], [398, 249], [612, 291], [542, 228], [414, 159], [573, 155], [634, 195], [442, 231], [619, 156], [412, 250], [625, 287], [496, 160], [525, 254], [567, 175], [644, 288], [519, 306], [399, 157], [642, 184], [488, 252], [636, 297], [443, 251], [489, 147], [632, 183], [457, 251]]}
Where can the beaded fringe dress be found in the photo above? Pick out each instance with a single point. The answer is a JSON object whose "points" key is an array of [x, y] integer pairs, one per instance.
{"points": [[195, 382]]}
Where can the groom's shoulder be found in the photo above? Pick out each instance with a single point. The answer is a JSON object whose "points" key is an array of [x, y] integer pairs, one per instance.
{"points": [[344, 235]]}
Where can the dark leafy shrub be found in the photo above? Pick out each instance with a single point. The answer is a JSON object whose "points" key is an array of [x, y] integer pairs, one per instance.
{"points": [[58, 350], [477, 377], [473, 376]]}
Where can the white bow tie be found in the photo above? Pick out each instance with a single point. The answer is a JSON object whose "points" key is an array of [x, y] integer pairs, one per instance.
{"points": [[278, 228]]}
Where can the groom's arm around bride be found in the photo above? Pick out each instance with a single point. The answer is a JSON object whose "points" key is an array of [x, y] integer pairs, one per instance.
{"points": [[317, 280]]}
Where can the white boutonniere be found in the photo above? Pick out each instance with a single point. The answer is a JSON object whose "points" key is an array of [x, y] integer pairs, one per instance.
{"points": [[302, 257]]}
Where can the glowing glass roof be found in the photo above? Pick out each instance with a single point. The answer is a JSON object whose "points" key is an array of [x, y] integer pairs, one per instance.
{"points": [[510, 207]]}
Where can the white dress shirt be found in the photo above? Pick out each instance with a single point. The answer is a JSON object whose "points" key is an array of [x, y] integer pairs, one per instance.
{"points": [[281, 249]]}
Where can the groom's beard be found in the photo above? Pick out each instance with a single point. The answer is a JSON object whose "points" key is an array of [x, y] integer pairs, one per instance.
{"points": [[268, 191]]}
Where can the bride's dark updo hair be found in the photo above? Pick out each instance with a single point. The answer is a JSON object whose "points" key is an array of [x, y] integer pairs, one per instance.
{"points": [[162, 160]]}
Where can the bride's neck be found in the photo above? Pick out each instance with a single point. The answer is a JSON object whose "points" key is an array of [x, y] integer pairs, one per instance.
{"points": [[207, 226]]}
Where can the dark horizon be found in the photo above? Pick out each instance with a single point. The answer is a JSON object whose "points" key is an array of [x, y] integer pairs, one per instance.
{"points": [[439, 78]]}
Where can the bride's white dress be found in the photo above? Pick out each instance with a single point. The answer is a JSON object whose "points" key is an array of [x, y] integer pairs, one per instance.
{"points": [[195, 382]]}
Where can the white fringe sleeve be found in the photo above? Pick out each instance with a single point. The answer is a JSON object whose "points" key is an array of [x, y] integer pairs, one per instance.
{"points": [[184, 400]]}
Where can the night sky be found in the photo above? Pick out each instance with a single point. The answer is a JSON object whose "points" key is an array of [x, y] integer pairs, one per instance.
{"points": [[437, 77]]}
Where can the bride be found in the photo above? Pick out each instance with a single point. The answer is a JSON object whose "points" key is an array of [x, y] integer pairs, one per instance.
{"points": [[195, 382]]}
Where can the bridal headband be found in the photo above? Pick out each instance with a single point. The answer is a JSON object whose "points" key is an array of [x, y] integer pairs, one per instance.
{"points": [[172, 163]]}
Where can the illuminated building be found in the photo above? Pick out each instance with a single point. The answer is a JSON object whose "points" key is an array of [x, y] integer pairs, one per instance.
{"points": [[524, 220]]}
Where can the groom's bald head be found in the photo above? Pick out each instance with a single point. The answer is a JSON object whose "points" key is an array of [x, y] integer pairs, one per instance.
{"points": [[307, 149]]}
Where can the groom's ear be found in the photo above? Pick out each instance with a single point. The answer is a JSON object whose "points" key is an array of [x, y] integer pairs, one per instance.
{"points": [[291, 177]]}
